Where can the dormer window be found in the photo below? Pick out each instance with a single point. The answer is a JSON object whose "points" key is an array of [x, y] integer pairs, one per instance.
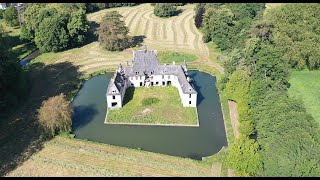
{"points": [[136, 72]]}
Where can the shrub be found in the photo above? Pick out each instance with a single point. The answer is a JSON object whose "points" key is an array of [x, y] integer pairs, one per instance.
{"points": [[55, 115], [164, 9]]}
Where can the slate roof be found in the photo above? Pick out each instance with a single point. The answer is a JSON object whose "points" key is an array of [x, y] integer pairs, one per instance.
{"points": [[116, 84], [145, 62]]}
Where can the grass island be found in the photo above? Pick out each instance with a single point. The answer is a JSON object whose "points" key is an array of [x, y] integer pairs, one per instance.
{"points": [[153, 105]]}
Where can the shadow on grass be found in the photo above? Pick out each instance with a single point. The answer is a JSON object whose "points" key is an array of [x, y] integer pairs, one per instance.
{"points": [[93, 32], [83, 115], [20, 135], [128, 95], [137, 41], [178, 12]]}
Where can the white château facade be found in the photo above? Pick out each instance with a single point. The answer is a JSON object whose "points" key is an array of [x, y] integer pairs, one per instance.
{"points": [[145, 70]]}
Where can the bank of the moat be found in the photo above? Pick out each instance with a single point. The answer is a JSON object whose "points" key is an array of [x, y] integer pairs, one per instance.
{"points": [[207, 139]]}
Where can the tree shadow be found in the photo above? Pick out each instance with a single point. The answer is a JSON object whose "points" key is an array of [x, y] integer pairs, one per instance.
{"points": [[92, 34], [137, 41], [83, 115], [128, 95], [178, 12], [20, 134], [12, 41]]}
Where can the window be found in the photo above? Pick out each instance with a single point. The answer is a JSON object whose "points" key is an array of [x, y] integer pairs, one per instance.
{"points": [[136, 72], [189, 102], [113, 91], [189, 95], [163, 83], [157, 83], [151, 72], [140, 83], [114, 104], [113, 97], [162, 76]]}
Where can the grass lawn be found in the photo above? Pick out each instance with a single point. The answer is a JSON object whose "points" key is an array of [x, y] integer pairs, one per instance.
{"points": [[306, 85], [178, 57], [147, 105]]}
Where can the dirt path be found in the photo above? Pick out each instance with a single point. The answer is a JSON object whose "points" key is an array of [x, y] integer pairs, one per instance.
{"points": [[233, 109]]}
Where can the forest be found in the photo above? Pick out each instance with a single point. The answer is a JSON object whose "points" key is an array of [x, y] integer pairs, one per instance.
{"points": [[278, 137]]}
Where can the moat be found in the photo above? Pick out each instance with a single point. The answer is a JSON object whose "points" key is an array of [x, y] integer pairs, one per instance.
{"points": [[193, 142]]}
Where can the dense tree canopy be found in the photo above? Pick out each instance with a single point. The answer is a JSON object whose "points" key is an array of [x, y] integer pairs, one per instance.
{"points": [[113, 34], [10, 15], [55, 27], [227, 24], [165, 9], [297, 34], [52, 35], [274, 128]]}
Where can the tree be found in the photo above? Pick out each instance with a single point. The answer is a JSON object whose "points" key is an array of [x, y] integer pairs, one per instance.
{"points": [[11, 16], [31, 22], [78, 27], [164, 9], [113, 34], [244, 157], [54, 27], [55, 115], [52, 34]]}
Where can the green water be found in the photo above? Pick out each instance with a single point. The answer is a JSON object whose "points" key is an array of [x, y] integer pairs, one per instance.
{"points": [[193, 142]]}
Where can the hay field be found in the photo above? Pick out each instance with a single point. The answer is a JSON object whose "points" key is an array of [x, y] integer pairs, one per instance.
{"points": [[69, 157], [175, 33]]}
